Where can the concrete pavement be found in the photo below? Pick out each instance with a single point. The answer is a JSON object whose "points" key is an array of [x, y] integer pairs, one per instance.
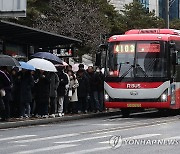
{"points": [[13, 123]]}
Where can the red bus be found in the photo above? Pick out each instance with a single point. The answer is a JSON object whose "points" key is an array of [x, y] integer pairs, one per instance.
{"points": [[142, 70]]}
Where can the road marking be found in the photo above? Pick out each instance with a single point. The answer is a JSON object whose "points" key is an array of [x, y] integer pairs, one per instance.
{"points": [[129, 127], [85, 139], [134, 137], [93, 150], [46, 149], [44, 138], [16, 137], [173, 138]]}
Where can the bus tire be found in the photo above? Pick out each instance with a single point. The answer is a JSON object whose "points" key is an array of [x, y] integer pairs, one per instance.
{"points": [[125, 113]]}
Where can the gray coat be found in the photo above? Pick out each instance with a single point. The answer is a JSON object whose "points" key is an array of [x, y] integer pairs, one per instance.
{"points": [[54, 84]]}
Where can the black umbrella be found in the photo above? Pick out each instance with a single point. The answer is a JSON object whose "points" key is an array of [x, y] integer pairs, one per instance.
{"points": [[48, 56], [6, 60]]}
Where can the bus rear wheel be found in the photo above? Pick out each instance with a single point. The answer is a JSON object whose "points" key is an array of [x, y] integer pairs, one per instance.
{"points": [[125, 113]]}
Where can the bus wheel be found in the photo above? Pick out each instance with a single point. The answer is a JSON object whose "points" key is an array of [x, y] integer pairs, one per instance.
{"points": [[125, 113]]}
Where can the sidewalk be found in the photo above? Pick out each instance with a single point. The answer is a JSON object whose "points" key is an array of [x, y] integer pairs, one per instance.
{"points": [[14, 123]]}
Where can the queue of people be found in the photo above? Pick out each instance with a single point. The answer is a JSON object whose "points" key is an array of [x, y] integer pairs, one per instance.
{"points": [[25, 93]]}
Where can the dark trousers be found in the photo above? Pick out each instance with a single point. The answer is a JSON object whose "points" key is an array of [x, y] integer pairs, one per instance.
{"points": [[82, 104], [66, 104], [72, 107], [98, 97], [42, 107], [52, 105], [25, 108], [6, 112], [90, 102]]}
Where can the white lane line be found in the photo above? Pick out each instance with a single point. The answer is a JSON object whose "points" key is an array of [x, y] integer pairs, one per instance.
{"points": [[46, 149], [119, 129], [93, 150], [44, 138], [173, 138], [135, 137], [16, 137], [84, 139]]}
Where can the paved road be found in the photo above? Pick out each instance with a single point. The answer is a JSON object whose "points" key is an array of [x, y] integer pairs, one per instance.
{"points": [[141, 133]]}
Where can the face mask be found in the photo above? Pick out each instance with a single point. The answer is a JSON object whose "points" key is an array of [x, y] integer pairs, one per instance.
{"points": [[98, 70]]}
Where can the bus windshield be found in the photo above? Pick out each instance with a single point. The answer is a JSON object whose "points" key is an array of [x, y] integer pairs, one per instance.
{"points": [[134, 59]]}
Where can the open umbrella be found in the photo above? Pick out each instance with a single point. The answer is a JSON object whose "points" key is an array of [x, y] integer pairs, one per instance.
{"points": [[42, 64], [26, 66], [6, 60], [48, 56]]}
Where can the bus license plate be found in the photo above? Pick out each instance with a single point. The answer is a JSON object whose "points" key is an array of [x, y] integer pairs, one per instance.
{"points": [[133, 105]]}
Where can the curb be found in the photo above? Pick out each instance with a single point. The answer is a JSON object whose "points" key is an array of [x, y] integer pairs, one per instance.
{"points": [[32, 122]]}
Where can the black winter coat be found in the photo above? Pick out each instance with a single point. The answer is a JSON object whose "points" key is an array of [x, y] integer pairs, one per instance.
{"points": [[98, 82], [42, 88], [83, 89], [26, 84], [63, 81]]}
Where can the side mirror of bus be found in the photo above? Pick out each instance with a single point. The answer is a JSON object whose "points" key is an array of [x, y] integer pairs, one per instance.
{"points": [[102, 47], [174, 58], [98, 59], [172, 45]]}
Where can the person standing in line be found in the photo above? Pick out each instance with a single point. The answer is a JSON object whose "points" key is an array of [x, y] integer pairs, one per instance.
{"points": [[42, 90], [83, 90], [15, 103], [26, 84], [72, 93], [8, 95], [53, 93], [90, 98], [4, 82], [61, 90], [98, 90]]}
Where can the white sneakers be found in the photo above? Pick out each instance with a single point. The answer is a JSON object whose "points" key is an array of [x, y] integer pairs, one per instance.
{"points": [[52, 116], [60, 114]]}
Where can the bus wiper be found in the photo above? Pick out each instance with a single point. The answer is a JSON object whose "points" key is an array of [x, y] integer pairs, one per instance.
{"points": [[140, 68], [120, 64], [126, 73]]}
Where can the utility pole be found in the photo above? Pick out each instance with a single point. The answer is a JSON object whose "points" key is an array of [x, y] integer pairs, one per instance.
{"points": [[167, 14]]}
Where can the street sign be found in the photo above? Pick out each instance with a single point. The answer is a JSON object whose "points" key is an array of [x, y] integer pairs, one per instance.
{"points": [[13, 8]]}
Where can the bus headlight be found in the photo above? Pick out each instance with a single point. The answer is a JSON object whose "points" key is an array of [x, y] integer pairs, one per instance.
{"points": [[164, 96], [106, 97]]}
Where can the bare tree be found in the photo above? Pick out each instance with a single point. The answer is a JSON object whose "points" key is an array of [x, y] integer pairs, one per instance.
{"points": [[76, 19]]}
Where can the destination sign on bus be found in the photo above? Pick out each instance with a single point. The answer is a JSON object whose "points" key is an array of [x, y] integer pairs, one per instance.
{"points": [[147, 47], [124, 48]]}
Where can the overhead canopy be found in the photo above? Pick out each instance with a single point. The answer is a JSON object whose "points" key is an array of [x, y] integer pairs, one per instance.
{"points": [[22, 34]]}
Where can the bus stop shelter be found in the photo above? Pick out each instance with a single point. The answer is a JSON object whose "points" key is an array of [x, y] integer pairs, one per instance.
{"points": [[26, 35]]}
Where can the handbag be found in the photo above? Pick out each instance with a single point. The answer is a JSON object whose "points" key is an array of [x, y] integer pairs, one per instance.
{"points": [[70, 93], [2, 93]]}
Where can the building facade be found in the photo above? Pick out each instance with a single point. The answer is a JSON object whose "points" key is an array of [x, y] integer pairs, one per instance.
{"points": [[151, 5], [158, 6], [174, 8]]}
